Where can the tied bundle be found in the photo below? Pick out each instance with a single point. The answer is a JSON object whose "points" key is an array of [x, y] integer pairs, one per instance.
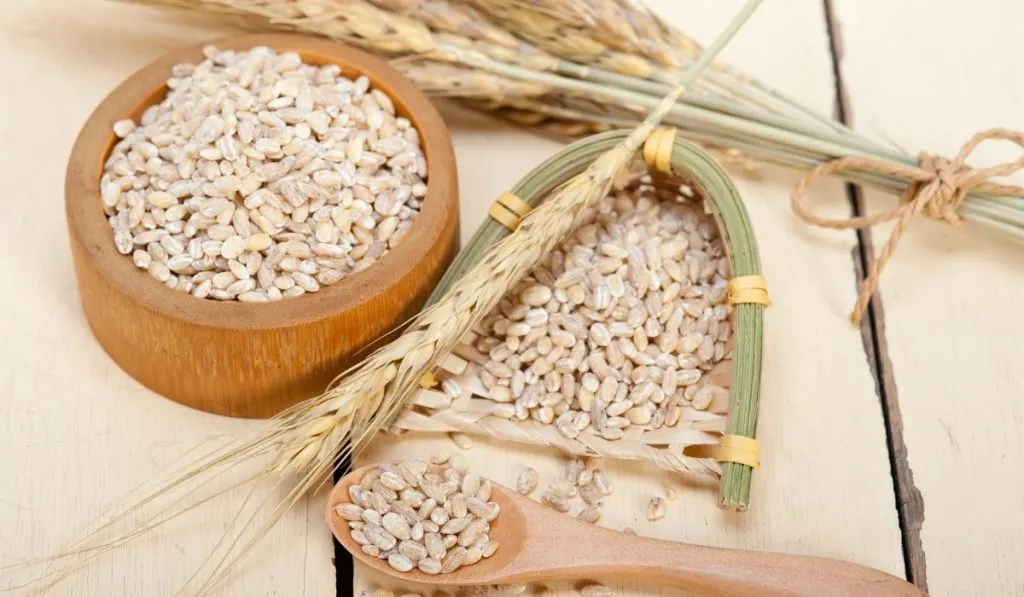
{"points": [[938, 188], [572, 68], [297, 450]]}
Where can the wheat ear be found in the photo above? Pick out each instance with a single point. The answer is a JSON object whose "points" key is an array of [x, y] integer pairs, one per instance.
{"points": [[451, 17]]}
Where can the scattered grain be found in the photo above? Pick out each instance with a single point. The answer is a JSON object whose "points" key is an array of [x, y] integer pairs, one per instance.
{"points": [[527, 481], [656, 509], [440, 456], [462, 440]]}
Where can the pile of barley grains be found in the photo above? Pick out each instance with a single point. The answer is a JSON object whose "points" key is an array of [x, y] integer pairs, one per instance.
{"points": [[261, 177], [618, 325], [414, 518]]}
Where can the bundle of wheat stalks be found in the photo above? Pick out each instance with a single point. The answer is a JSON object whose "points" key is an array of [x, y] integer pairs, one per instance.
{"points": [[571, 68], [576, 67]]}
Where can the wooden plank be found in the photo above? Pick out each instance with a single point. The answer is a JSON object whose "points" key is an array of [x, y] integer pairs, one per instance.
{"points": [[950, 297], [76, 433], [825, 487]]}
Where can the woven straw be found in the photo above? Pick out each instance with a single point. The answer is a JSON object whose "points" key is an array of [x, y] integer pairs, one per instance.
{"points": [[666, 447]]}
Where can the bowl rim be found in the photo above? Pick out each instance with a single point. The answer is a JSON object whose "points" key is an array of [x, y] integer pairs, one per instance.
{"points": [[88, 223]]}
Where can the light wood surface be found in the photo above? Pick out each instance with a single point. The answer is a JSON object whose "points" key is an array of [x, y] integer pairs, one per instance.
{"points": [[253, 360], [534, 546], [951, 298], [76, 433]]}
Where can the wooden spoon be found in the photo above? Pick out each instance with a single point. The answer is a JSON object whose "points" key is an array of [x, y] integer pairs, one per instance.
{"points": [[539, 544]]}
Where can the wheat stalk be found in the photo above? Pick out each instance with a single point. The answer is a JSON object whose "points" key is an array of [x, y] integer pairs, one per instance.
{"points": [[427, 55], [705, 115], [449, 80]]}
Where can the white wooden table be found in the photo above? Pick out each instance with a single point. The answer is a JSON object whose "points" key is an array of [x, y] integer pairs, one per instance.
{"points": [[895, 446]]}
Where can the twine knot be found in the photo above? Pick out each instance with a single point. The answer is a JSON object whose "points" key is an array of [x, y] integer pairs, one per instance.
{"points": [[937, 187], [951, 182]]}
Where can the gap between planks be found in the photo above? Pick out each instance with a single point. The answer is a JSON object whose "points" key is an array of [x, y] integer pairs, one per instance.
{"points": [[909, 501]]}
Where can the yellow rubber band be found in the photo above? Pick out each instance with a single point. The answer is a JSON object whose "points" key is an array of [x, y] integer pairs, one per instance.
{"points": [[651, 146], [515, 204], [663, 159], [509, 210], [428, 380], [748, 289], [504, 216], [658, 149], [739, 449], [730, 448]]}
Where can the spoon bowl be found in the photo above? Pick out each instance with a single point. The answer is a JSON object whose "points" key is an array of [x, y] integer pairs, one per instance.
{"points": [[507, 529], [537, 543]]}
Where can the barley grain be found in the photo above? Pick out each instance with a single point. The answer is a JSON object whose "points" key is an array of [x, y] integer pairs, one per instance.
{"points": [[555, 501], [591, 514], [440, 456], [400, 562], [371, 550], [656, 509], [591, 495], [349, 511], [191, 175], [454, 560], [462, 440], [429, 565], [614, 319]]}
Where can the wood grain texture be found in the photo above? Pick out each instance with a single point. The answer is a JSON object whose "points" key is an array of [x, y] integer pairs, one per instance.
{"points": [[532, 546], [952, 311], [825, 486], [253, 360], [76, 433]]}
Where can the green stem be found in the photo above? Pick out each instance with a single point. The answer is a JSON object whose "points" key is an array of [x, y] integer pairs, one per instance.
{"points": [[706, 100], [757, 89], [829, 148]]}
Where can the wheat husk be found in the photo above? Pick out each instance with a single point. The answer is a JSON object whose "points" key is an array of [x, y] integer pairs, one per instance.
{"points": [[444, 16]]}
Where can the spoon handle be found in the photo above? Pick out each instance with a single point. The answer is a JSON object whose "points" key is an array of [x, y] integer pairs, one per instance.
{"points": [[726, 572], [733, 573], [561, 547]]}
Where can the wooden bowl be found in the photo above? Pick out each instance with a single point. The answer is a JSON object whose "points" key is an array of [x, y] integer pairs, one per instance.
{"points": [[239, 359]]}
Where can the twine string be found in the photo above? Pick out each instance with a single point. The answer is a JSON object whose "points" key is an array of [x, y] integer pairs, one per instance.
{"points": [[937, 188]]}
